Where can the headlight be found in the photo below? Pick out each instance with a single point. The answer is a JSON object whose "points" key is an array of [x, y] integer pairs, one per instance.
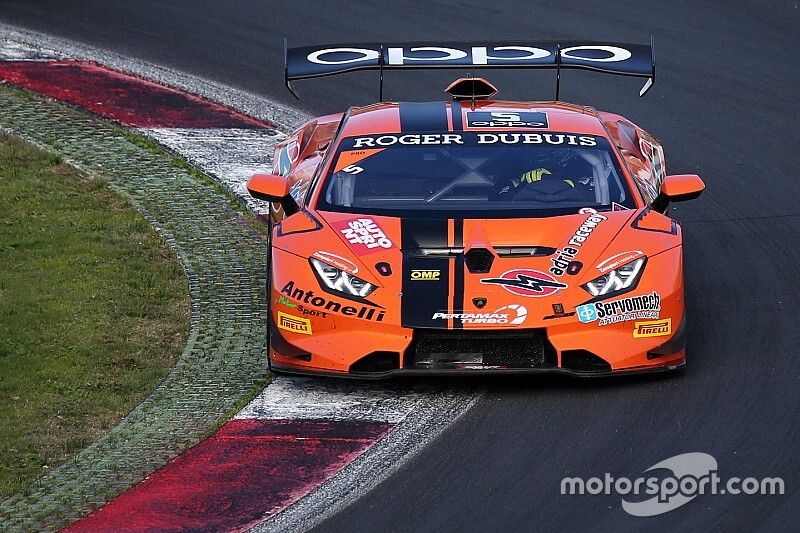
{"points": [[338, 281], [620, 280]]}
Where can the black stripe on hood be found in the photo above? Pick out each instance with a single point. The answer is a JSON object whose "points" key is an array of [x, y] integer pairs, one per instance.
{"points": [[425, 116], [422, 298], [458, 271]]}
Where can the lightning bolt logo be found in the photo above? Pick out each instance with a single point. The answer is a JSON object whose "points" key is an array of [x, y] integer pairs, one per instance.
{"points": [[525, 282]]}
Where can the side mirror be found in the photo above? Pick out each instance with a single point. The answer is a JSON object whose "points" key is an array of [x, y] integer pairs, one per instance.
{"points": [[678, 188], [272, 188]]}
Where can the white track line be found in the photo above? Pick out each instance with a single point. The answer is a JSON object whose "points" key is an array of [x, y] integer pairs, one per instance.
{"points": [[329, 399]]}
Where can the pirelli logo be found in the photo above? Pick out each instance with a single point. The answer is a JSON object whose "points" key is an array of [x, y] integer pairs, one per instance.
{"points": [[652, 328], [425, 275], [295, 324]]}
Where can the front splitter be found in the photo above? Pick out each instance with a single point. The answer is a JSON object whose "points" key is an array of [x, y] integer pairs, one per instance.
{"points": [[464, 372]]}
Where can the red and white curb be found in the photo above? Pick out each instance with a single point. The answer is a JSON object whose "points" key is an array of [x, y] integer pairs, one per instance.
{"points": [[304, 447], [220, 141]]}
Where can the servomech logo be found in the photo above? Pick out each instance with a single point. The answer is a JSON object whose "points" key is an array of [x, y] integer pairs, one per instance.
{"points": [[670, 484]]}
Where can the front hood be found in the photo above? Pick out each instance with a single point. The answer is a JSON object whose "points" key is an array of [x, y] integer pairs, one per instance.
{"points": [[451, 273]]}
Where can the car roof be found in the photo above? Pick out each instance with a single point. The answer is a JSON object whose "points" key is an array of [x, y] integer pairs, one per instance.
{"points": [[416, 117]]}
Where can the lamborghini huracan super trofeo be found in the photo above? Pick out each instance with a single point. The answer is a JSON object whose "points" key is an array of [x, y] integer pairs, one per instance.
{"points": [[473, 234]]}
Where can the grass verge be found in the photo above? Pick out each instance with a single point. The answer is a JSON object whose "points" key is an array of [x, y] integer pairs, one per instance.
{"points": [[93, 311]]}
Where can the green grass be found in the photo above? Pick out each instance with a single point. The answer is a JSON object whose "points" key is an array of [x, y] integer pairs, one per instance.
{"points": [[93, 311]]}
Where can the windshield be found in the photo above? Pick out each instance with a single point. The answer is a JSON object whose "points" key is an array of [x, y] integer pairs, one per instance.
{"points": [[476, 174]]}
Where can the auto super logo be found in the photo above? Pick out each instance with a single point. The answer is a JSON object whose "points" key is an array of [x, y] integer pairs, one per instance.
{"points": [[623, 310], [364, 235]]}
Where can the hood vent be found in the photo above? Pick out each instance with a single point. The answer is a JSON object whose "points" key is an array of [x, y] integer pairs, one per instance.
{"points": [[525, 251], [479, 260], [501, 251]]}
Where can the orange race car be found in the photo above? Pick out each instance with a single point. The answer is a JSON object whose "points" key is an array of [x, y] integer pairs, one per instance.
{"points": [[473, 235]]}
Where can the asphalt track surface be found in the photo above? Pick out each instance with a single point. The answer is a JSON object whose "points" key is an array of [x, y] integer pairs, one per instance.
{"points": [[724, 106]]}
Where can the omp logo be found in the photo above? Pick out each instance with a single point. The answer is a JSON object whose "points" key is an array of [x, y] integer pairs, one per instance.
{"points": [[653, 328], [294, 324], [425, 275]]}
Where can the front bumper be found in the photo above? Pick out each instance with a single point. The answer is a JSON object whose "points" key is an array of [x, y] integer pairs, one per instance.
{"points": [[333, 343], [668, 356]]}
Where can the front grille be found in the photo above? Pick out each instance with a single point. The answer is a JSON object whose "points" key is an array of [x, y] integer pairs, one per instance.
{"points": [[482, 349]]}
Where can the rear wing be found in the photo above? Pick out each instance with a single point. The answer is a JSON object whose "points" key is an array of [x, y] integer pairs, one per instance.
{"points": [[612, 58]]}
